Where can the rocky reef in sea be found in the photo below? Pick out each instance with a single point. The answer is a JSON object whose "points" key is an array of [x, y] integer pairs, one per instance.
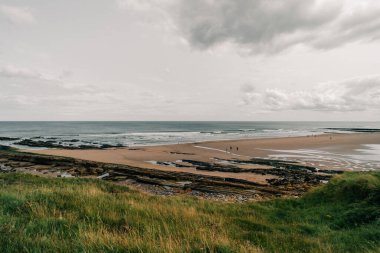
{"points": [[53, 142]]}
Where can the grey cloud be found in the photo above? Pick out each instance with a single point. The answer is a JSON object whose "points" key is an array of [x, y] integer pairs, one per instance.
{"points": [[247, 88], [270, 26], [358, 94]]}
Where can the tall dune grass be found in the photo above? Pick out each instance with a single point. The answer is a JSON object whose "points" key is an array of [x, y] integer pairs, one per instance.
{"points": [[82, 215]]}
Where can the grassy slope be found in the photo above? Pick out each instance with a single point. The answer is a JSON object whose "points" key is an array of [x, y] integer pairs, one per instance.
{"points": [[79, 215]]}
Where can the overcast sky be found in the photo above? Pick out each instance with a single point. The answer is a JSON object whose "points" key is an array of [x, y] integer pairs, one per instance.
{"points": [[190, 60]]}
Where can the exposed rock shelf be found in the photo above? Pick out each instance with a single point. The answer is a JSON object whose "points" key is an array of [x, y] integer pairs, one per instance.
{"points": [[292, 180]]}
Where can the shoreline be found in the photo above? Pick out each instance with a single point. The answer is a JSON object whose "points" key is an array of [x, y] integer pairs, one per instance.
{"points": [[333, 151], [203, 169], [155, 134], [29, 143]]}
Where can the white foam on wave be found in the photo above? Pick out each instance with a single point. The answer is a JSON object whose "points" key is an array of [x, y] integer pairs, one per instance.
{"points": [[161, 134]]}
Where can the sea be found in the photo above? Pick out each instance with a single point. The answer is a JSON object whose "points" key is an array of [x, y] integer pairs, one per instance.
{"points": [[143, 133]]}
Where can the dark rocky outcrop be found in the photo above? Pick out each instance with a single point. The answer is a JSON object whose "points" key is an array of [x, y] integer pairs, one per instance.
{"points": [[288, 172], [9, 138], [54, 144]]}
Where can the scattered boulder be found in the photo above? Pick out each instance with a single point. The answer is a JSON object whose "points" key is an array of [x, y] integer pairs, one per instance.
{"points": [[104, 176]]}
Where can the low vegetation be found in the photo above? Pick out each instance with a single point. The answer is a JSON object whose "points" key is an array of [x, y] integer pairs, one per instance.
{"points": [[84, 215]]}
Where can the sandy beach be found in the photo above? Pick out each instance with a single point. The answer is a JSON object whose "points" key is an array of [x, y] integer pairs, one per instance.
{"points": [[327, 151]]}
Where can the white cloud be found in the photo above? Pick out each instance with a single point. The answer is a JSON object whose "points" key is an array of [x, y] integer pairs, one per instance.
{"points": [[357, 94], [142, 5], [17, 15], [15, 72], [139, 5], [25, 84], [11, 71], [263, 26], [26, 89]]}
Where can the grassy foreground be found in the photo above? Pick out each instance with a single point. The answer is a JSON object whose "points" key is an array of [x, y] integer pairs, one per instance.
{"points": [[80, 215]]}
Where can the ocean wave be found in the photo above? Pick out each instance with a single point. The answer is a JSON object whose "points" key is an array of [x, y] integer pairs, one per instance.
{"points": [[247, 130], [273, 130]]}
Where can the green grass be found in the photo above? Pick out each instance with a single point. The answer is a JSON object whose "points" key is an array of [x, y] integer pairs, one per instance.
{"points": [[81, 215]]}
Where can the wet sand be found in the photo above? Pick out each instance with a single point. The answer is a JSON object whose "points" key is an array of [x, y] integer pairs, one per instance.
{"points": [[327, 147]]}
